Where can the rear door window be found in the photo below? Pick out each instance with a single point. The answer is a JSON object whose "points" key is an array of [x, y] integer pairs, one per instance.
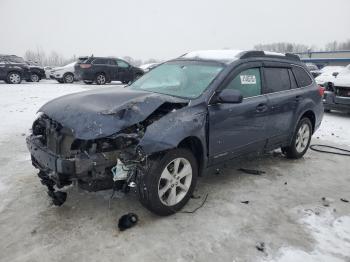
{"points": [[248, 82], [302, 77], [111, 62], [100, 61], [277, 79]]}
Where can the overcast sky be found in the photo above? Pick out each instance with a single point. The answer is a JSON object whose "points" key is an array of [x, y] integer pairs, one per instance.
{"points": [[165, 29]]}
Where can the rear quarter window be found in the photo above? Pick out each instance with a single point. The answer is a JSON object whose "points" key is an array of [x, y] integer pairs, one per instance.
{"points": [[301, 76]]}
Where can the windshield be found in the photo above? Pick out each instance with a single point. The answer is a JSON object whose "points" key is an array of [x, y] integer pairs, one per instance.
{"points": [[180, 78]]}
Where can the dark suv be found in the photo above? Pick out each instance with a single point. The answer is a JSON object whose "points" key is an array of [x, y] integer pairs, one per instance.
{"points": [[13, 69], [161, 132], [13, 72], [102, 70]]}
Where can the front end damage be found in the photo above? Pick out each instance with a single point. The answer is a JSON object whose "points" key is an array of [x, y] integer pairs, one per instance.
{"points": [[113, 161]]}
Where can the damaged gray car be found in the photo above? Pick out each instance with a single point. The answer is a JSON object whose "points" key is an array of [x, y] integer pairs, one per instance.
{"points": [[160, 133]]}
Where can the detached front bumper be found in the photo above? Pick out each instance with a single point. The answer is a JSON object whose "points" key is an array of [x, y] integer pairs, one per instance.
{"points": [[47, 161], [81, 165]]}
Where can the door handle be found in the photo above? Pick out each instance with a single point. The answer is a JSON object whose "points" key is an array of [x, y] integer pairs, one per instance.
{"points": [[261, 108]]}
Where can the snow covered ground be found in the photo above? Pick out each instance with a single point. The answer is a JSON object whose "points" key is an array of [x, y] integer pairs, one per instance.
{"points": [[285, 209]]}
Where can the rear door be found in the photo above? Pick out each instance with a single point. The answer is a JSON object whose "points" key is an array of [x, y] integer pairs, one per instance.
{"points": [[236, 129], [102, 65], [283, 97]]}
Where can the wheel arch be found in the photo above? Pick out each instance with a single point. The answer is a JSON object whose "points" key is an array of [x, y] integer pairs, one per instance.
{"points": [[311, 115], [195, 145]]}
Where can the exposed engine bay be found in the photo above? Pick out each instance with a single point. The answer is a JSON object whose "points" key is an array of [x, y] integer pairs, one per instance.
{"points": [[104, 162]]}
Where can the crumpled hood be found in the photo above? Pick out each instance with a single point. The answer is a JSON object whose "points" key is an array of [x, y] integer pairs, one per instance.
{"points": [[103, 112]]}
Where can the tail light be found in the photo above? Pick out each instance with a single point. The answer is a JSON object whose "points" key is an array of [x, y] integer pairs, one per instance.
{"points": [[84, 66], [321, 90]]}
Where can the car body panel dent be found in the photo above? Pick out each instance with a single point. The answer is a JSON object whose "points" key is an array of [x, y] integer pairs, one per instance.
{"points": [[175, 127], [100, 113]]}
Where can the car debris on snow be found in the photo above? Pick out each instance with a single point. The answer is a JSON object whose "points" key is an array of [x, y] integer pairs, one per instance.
{"points": [[127, 221], [252, 171]]}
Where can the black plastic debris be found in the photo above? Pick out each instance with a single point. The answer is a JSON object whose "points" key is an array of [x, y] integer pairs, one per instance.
{"points": [[285, 183], [251, 171], [325, 202], [245, 202], [58, 197], [344, 200], [195, 197], [260, 246], [127, 221]]}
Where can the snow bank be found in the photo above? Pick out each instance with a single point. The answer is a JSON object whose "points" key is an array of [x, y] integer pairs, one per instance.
{"points": [[332, 237], [335, 128]]}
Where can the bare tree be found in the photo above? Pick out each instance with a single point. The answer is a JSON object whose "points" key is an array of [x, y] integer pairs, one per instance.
{"points": [[282, 47]]}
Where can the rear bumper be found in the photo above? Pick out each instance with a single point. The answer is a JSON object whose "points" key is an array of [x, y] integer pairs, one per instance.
{"points": [[82, 75]]}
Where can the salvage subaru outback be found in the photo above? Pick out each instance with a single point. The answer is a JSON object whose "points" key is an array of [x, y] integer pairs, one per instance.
{"points": [[161, 132]]}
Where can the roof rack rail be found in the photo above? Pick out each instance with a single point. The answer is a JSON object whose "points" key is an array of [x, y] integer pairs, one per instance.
{"points": [[255, 54]]}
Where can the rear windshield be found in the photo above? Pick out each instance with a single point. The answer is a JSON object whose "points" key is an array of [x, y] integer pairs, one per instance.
{"points": [[179, 78], [302, 77]]}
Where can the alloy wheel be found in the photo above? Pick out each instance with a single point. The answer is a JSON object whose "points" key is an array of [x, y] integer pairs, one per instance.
{"points": [[15, 78], [175, 181], [303, 137]]}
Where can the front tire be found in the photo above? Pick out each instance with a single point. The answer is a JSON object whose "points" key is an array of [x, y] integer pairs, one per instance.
{"points": [[14, 78], [301, 140], [169, 182], [68, 78], [34, 78]]}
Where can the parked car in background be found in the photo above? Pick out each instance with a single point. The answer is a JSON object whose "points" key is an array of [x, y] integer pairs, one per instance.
{"points": [[337, 94], [63, 74], [13, 72], [148, 67], [314, 70], [102, 70], [161, 132], [329, 73], [36, 72]]}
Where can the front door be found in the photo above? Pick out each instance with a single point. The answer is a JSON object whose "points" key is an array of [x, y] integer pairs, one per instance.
{"points": [[235, 129]]}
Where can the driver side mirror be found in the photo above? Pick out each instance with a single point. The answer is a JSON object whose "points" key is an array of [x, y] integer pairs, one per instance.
{"points": [[229, 96], [335, 74]]}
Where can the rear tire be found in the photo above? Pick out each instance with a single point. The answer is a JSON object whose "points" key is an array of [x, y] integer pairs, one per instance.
{"points": [[68, 78], [100, 79], [300, 141], [14, 78], [165, 189]]}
